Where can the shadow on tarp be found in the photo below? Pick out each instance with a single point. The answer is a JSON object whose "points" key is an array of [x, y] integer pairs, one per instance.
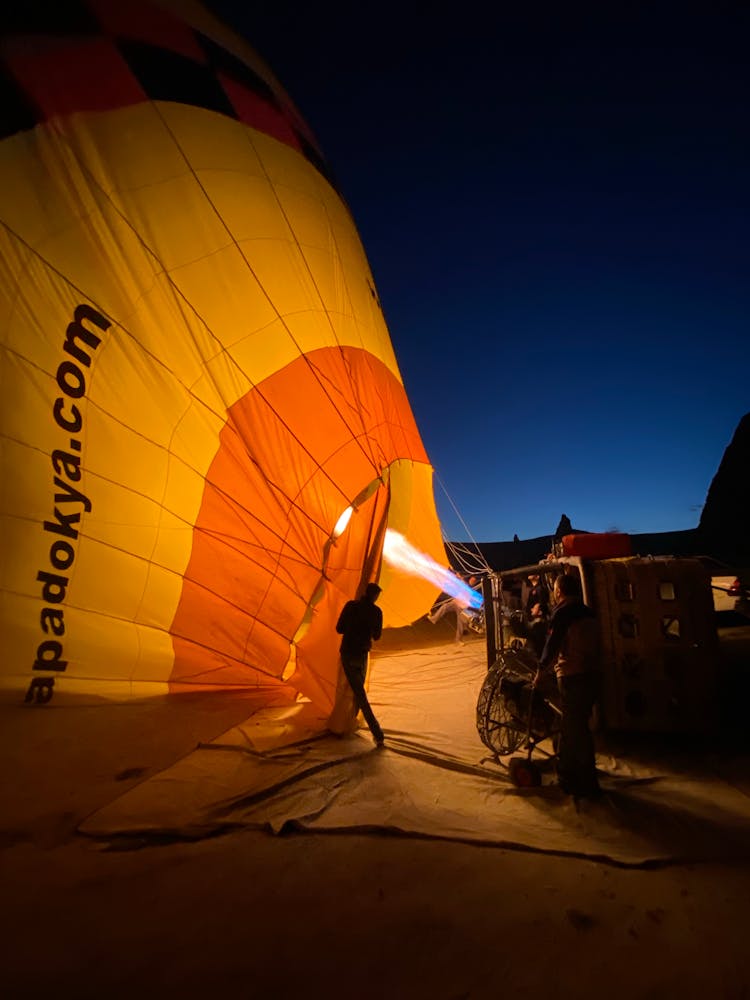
{"points": [[275, 773], [355, 788], [65, 759]]}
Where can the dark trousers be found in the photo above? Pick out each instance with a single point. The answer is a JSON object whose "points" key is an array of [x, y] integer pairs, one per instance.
{"points": [[355, 667], [576, 761]]}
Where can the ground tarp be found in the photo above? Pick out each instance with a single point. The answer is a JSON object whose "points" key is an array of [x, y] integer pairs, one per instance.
{"points": [[434, 778]]}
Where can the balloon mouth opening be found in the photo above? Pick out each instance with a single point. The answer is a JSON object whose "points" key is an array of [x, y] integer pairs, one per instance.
{"points": [[342, 523]]}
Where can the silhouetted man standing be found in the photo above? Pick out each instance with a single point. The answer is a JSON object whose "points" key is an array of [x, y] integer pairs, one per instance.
{"points": [[360, 623], [572, 649]]}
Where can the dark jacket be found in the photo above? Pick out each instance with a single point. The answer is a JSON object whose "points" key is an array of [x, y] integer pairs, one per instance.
{"points": [[572, 645], [359, 623]]}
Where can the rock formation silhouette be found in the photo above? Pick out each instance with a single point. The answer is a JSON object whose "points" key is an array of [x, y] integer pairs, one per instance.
{"points": [[724, 526], [563, 528]]}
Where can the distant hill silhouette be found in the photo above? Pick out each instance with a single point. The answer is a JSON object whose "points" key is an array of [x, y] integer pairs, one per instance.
{"points": [[723, 531], [525, 552]]}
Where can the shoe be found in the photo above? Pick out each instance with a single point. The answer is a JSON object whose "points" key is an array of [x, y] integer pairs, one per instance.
{"points": [[380, 743]]}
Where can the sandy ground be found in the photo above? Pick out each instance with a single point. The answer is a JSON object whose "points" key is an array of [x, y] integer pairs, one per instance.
{"points": [[336, 915]]}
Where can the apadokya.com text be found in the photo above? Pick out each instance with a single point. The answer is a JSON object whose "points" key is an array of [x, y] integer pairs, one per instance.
{"points": [[69, 501]]}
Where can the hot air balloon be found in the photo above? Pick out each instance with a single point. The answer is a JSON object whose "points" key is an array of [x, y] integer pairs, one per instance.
{"points": [[205, 434]]}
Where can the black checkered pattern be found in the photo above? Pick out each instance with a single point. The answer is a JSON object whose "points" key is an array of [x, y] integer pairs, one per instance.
{"points": [[163, 74]]}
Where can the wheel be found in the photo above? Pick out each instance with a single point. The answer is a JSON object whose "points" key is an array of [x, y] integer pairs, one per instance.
{"points": [[498, 727], [502, 712]]}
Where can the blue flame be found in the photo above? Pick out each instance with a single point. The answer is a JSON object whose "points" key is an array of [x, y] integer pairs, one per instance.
{"points": [[402, 555]]}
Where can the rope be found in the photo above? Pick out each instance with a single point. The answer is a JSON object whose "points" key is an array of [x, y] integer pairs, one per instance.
{"points": [[466, 556]]}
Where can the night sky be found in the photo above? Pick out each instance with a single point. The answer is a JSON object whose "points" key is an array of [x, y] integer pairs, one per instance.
{"points": [[555, 209]]}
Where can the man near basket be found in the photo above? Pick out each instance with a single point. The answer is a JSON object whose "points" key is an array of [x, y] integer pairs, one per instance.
{"points": [[572, 651]]}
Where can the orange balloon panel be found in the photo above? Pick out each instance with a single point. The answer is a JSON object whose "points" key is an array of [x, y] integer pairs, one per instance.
{"points": [[292, 456], [197, 377]]}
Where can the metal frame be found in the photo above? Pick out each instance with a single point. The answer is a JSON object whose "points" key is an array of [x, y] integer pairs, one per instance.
{"points": [[495, 636]]}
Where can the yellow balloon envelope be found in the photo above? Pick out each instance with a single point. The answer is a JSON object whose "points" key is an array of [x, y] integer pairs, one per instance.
{"points": [[197, 379]]}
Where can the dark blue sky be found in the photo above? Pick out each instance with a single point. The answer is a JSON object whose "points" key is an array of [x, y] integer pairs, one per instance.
{"points": [[555, 209]]}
